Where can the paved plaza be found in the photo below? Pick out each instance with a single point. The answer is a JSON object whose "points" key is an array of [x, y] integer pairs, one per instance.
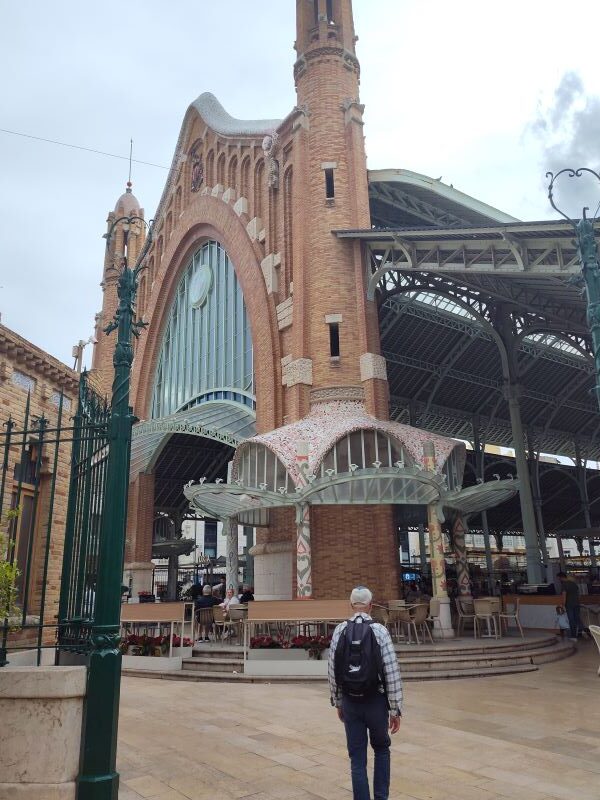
{"points": [[534, 736]]}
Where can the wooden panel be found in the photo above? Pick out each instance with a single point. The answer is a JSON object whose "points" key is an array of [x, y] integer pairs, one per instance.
{"points": [[294, 610], [153, 612]]}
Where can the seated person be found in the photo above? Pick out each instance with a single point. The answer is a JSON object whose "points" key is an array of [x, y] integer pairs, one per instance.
{"points": [[206, 600], [246, 595], [230, 600]]}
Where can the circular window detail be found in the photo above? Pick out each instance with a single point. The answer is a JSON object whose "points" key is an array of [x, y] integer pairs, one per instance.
{"points": [[200, 285]]}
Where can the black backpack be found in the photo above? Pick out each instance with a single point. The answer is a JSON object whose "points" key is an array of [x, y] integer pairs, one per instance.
{"points": [[358, 661]]}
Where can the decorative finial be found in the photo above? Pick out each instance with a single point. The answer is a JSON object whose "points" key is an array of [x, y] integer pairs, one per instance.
{"points": [[130, 155]]}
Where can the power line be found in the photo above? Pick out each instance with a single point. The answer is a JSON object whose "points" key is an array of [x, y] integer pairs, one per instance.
{"points": [[78, 147]]}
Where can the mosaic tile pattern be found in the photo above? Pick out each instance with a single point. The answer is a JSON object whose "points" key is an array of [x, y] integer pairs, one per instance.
{"points": [[329, 422]]}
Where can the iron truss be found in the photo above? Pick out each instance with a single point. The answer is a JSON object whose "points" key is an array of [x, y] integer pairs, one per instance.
{"points": [[441, 293]]}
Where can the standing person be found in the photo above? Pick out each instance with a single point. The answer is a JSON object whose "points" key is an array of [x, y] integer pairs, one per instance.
{"points": [[571, 590], [366, 690], [247, 595]]}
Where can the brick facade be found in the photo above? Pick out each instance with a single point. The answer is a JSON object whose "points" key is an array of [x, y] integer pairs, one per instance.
{"points": [[25, 368], [265, 199]]}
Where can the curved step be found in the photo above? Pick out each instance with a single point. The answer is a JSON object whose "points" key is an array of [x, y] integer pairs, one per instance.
{"points": [[476, 646], [201, 676]]}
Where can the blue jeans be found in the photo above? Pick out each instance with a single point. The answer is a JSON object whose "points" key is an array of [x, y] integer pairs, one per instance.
{"points": [[574, 620], [371, 716]]}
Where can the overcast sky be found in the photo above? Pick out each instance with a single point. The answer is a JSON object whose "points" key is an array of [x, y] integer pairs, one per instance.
{"points": [[486, 95]]}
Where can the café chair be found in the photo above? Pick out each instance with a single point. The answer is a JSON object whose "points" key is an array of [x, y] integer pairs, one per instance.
{"points": [[221, 623], [419, 621], [484, 612], [397, 618], [414, 619], [466, 612], [510, 612], [237, 615], [380, 614]]}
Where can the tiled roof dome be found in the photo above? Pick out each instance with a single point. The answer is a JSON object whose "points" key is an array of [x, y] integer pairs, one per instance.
{"points": [[127, 204]]}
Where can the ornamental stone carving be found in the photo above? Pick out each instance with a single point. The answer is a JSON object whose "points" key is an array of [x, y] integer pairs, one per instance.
{"points": [[298, 371], [372, 366], [337, 393], [197, 169], [270, 146]]}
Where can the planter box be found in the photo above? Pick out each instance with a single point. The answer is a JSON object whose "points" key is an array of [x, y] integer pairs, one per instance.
{"points": [[153, 663], [266, 662], [183, 652], [277, 654]]}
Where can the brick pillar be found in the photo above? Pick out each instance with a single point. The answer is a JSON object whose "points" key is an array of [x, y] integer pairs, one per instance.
{"points": [[140, 524], [354, 545]]}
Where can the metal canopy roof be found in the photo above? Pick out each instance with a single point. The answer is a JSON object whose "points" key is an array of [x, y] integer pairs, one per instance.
{"points": [[416, 198], [438, 290], [222, 421], [370, 486]]}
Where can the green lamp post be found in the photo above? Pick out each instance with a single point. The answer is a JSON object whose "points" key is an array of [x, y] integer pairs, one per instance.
{"points": [[588, 256], [99, 779]]}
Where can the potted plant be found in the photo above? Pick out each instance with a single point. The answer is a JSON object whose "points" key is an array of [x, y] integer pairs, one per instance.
{"points": [[146, 597], [8, 576]]}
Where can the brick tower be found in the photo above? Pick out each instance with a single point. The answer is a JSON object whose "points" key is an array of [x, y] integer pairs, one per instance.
{"points": [[333, 368], [125, 239], [335, 331]]}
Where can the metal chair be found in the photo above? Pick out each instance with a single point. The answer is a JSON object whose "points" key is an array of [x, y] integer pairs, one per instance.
{"points": [[237, 615], [484, 612], [221, 623], [380, 614], [510, 611], [418, 621], [595, 631], [466, 612], [397, 618]]}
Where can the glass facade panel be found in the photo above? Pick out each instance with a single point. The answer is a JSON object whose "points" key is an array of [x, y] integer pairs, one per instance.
{"points": [[206, 351]]}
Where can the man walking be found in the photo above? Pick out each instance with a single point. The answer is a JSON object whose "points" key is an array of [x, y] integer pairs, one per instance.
{"points": [[366, 690]]}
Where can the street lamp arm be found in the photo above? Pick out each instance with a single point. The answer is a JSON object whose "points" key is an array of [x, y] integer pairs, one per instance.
{"points": [[572, 173]]}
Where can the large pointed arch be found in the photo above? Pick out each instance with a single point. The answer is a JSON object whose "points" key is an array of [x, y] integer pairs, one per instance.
{"points": [[219, 222]]}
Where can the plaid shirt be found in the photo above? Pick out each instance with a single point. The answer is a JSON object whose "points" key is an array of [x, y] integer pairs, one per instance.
{"points": [[393, 681]]}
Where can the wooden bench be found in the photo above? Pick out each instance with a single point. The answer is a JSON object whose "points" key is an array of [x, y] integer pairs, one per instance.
{"points": [[157, 614]]}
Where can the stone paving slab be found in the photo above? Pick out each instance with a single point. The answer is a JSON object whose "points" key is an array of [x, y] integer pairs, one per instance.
{"points": [[531, 736]]}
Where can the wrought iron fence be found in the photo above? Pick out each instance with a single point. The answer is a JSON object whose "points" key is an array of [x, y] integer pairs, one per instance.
{"points": [[84, 518], [41, 456]]}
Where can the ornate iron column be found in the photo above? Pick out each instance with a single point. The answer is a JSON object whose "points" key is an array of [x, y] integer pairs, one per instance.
{"points": [[99, 779]]}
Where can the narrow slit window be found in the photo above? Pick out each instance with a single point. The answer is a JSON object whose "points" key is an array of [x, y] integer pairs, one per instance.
{"points": [[330, 11], [334, 340], [329, 184], [316, 6]]}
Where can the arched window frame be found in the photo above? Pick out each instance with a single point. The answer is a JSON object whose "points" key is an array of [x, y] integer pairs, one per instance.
{"points": [[259, 172], [206, 352]]}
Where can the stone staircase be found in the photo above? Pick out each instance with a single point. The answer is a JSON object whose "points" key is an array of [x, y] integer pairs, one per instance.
{"points": [[464, 658]]}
